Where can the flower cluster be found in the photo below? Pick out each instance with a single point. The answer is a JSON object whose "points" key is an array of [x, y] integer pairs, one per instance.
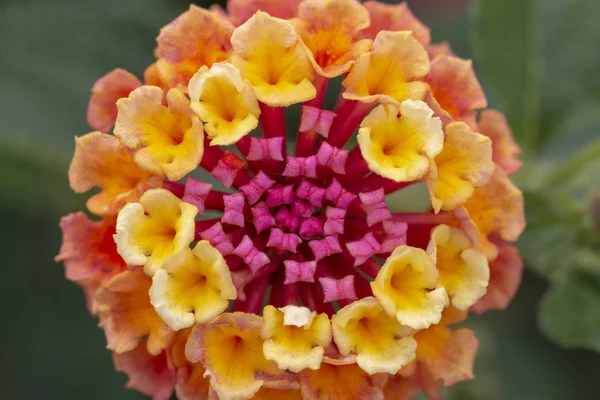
{"points": [[284, 273]]}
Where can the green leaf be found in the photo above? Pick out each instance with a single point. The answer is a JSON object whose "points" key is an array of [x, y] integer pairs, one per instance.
{"points": [[55, 50], [507, 52], [535, 58], [550, 237], [569, 311]]}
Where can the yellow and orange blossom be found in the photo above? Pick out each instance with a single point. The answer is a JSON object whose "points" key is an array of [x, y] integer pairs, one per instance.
{"points": [[285, 275]]}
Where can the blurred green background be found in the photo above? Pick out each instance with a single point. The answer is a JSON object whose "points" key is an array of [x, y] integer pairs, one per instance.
{"points": [[539, 63]]}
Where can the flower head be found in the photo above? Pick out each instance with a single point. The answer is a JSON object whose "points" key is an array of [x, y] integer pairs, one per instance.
{"points": [[289, 276]]}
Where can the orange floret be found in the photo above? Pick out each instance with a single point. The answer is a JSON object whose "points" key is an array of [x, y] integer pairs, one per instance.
{"points": [[398, 17], [100, 160], [456, 88], [341, 382], [390, 72], [331, 30], [271, 56], [242, 10], [505, 151], [89, 252], [149, 374], [230, 348], [126, 315], [102, 108], [197, 38]]}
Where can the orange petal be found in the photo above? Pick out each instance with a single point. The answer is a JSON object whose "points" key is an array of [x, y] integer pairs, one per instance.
{"points": [[464, 163], [388, 17], [505, 277], [271, 56], [190, 381], [89, 252], [390, 72], [447, 354], [399, 387], [343, 382], [241, 10], [506, 151], [196, 38], [497, 208], [330, 29], [230, 348], [149, 374], [126, 315], [102, 108], [456, 88], [274, 394], [100, 160], [439, 49]]}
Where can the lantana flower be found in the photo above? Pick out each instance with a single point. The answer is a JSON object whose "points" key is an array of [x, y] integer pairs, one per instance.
{"points": [[287, 273]]}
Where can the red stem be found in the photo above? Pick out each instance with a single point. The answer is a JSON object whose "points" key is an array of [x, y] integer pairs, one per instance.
{"points": [[350, 114]]}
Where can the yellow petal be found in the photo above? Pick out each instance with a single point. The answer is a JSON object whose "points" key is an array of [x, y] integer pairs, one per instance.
{"points": [[464, 270], [270, 55], [400, 143], [295, 337], [225, 102], [156, 227], [230, 348], [406, 288], [330, 29], [380, 342], [391, 72], [464, 163], [167, 140], [192, 286]]}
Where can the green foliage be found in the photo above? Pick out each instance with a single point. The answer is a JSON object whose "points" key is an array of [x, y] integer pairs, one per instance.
{"points": [[535, 56]]}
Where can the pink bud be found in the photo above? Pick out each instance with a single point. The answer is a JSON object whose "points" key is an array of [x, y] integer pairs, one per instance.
{"points": [[335, 221], [285, 220], [310, 227], [310, 192], [257, 187], [196, 192], [338, 289], [265, 149], [395, 235], [364, 248], [375, 207], [280, 195], [339, 196], [233, 213], [325, 247], [283, 241], [217, 237], [301, 166], [262, 218], [299, 271], [302, 209], [227, 168], [332, 157], [250, 254], [316, 120]]}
